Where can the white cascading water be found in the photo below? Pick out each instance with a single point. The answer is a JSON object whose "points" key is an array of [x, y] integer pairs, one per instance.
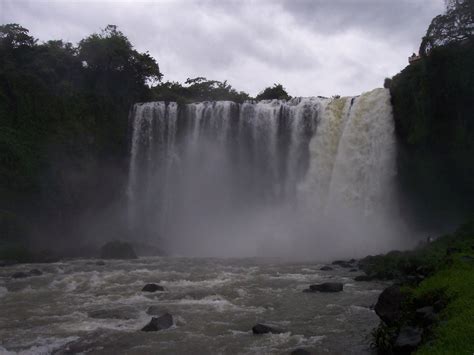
{"points": [[309, 177]]}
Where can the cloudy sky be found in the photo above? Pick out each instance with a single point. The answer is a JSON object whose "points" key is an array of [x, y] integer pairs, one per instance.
{"points": [[312, 47]]}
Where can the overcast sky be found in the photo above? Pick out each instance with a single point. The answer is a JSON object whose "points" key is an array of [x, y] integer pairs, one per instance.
{"points": [[312, 47]]}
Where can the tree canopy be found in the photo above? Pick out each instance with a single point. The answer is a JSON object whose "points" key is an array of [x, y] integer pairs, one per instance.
{"points": [[456, 25], [198, 89], [277, 91]]}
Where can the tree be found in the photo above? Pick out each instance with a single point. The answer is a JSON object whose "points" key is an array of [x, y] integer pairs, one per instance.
{"points": [[456, 25], [13, 35], [198, 89], [277, 91], [114, 66]]}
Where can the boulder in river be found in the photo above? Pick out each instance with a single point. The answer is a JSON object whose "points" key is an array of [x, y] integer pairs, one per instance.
{"points": [[152, 288], [35, 272], [408, 339], [326, 287], [117, 250], [124, 312], [20, 275], [156, 310], [342, 263], [159, 323], [363, 278], [100, 263], [326, 268], [389, 305], [300, 352], [264, 329]]}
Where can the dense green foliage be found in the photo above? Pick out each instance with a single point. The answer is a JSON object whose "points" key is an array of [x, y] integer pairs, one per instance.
{"points": [[433, 108], [447, 265], [63, 125], [456, 25], [64, 129], [197, 89], [277, 91]]}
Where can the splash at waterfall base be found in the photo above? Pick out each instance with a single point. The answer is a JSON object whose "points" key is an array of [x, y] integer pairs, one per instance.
{"points": [[305, 178]]}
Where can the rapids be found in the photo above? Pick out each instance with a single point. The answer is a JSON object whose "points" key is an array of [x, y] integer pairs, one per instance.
{"points": [[77, 306]]}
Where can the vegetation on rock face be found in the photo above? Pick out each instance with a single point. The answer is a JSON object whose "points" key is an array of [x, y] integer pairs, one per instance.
{"points": [[63, 126], [434, 118]]}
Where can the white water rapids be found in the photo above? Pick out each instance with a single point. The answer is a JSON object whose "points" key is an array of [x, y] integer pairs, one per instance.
{"points": [[310, 177]]}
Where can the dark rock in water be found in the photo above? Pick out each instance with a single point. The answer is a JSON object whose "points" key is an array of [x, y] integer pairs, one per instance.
{"points": [[327, 287], [352, 261], [100, 263], [363, 278], [450, 251], [20, 275], [408, 339], [117, 250], [300, 352], [156, 310], [152, 288], [159, 323], [7, 262], [342, 263], [326, 268], [353, 270], [35, 272], [389, 305], [264, 329], [123, 313]]}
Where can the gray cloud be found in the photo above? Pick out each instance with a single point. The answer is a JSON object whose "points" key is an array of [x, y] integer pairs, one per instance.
{"points": [[313, 47]]}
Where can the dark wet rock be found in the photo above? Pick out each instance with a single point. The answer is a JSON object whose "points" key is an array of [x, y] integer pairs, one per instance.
{"points": [[389, 305], [20, 275], [426, 315], [408, 339], [264, 329], [327, 287], [353, 270], [35, 272], [326, 268], [363, 278], [123, 313], [300, 352], [100, 263], [451, 251], [156, 310], [7, 262], [467, 258], [152, 288], [352, 261], [117, 250], [159, 323], [342, 263]]}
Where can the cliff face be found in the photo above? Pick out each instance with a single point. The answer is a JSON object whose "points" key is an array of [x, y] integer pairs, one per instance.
{"points": [[433, 106]]}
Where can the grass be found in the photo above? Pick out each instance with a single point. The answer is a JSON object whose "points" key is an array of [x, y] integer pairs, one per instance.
{"points": [[454, 334], [447, 265]]}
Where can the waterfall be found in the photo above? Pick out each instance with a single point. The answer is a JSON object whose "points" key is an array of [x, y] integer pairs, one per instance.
{"points": [[221, 178]]}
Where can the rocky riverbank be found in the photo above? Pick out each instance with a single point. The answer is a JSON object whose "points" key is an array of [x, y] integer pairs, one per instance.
{"points": [[429, 308]]}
